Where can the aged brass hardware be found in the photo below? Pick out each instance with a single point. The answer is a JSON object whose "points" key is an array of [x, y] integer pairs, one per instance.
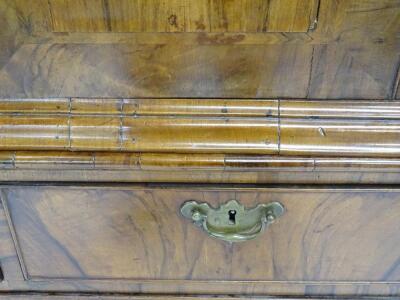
{"points": [[232, 222]]}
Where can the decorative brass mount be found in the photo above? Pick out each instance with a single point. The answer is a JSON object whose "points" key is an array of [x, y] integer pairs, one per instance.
{"points": [[232, 222]]}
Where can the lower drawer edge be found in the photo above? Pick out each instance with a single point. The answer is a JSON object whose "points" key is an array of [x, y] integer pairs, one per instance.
{"points": [[133, 239]]}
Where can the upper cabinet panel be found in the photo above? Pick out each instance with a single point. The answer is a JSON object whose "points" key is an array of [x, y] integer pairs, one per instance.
{"points": [[182, 15]]}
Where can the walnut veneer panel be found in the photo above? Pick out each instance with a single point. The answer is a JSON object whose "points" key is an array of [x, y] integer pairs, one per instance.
{"points": [[124, 233], [182, 15], [8, 31], [344, 71], [361, 59], [143, 70], [351, 53]]}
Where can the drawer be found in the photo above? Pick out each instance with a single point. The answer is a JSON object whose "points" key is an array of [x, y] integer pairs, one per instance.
{"points": [[132, 234]]}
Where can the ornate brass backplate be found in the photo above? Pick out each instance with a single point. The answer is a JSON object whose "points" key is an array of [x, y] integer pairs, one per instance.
{"points": [[232, 222]]}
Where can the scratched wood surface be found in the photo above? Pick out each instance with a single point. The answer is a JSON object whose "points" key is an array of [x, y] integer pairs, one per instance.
{"points": [[119, 233], [63, 160], [352, 53], [244, 127], [181, 15], [56, 56], [123, 70]]}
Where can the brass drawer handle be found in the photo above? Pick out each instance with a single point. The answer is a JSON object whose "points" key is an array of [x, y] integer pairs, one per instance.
{"points": [[232, 222]]}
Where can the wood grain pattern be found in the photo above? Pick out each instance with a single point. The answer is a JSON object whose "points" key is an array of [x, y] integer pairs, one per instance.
{"points": [[350, 109], [121, 224], [330, 128], [162, 107], [258, 108], [77, 15], [34, 132], [291, 15], [206, 135], [189, 168], [363, 48], [153, 15], [124, 70], [355, 56], [59, 160], [181, 16], [223, 71], [165, 38], [32, 18], [202, 176], [341, 71], [83, 83], [338, 137], [140, 134], [242, 16], [33, 106], [9, 28], [357, 22]]}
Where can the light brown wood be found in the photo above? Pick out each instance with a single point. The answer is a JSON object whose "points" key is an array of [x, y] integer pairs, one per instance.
{"points": [[241, 16], [34, 132], [350, 109], [339, 137], [77, 15], [33, 106], [51, 160], [340, 71], [362, 53], [32, 18], [9, 30], [189, 168], [122, 222], [281, 127], [225, 38], [190, 91], [292, 15], [181, 16], [157, 16], [152, 71]]}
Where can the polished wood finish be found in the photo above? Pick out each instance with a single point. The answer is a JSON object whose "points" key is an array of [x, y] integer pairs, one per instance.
{"points": [[294, 92], [279, 127], [175, 71], [50, 160], [339, 137], [180, 15], [109, 240], [346, 56]]}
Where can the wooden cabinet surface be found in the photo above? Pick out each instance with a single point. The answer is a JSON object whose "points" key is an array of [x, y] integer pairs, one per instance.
{"points": [[113, 113], [137, 235]]}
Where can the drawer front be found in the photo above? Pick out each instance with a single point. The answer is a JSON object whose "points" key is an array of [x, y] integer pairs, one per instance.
{"points": [[139, 233]]}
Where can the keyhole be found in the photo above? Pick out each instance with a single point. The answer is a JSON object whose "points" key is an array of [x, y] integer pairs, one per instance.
{"points": [[232, 216]]}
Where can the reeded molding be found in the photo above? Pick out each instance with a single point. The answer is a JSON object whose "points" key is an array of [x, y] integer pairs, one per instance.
{"points": [[203, 126]]}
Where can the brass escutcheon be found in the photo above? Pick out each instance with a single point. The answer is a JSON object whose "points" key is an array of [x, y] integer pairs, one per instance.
{"points": [[232, 222]]}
